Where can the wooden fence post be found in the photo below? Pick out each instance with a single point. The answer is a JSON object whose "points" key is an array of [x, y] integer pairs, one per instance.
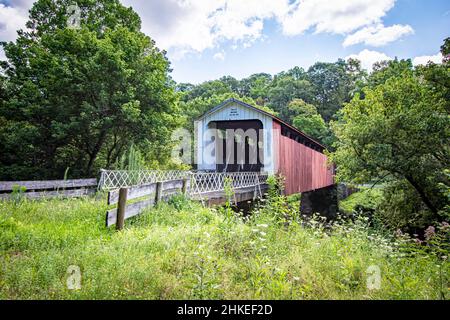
{"points": [[184, 188], [121, 208], [158, 192]]}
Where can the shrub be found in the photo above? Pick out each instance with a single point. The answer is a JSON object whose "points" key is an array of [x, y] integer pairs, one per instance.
{"points": [[402, 209]]}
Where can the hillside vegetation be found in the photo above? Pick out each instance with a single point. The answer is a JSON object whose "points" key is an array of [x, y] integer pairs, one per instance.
{"points": [[182, 250]]}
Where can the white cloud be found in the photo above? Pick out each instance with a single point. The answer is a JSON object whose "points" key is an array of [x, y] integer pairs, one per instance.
{"points": [[437, 58], [183, 26], [186, 26], [219, 56], [337, 16], [378, 35], [369, 57], [12, 18]]}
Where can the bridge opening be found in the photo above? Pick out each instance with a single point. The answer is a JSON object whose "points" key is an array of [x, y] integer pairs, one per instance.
{"points": [[239, 145]]}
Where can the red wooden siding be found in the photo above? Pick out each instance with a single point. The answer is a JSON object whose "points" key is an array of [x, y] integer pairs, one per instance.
{"points": [[304, 169]]}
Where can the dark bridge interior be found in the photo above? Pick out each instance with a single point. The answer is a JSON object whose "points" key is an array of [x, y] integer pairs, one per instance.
{"points": [[242, 151]]}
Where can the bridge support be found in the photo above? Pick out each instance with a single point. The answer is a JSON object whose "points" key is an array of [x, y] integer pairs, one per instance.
{"points": [[240, 195], [323, 201]]}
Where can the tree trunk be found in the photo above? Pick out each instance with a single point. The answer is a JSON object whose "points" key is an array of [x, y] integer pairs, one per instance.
{"points": [[422, 194], [110, 152], [95, 151], [90, 164]]}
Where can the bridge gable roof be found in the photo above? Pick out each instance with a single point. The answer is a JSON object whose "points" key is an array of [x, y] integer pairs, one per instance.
{"points": [[246, 105]]}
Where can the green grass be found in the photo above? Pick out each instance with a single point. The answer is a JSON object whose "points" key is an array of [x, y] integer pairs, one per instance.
{"points": [[367, 197], [185, 251]]}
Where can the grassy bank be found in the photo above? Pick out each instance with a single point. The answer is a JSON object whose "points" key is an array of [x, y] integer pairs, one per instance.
{"points": [[184, 251], [365, 197]]}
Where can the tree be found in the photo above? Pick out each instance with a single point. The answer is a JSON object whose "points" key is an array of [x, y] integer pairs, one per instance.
{"points": [[306, 118], [79, 96], [384, 70], [333, 85], [205, 90], [437, 75], [399, 132], [285, 88]]}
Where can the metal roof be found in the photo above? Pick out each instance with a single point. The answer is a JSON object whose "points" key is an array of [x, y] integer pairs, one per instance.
{"points": [[233, 100]]}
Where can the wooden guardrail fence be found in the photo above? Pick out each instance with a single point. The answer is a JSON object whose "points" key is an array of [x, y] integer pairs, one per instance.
{"points": [[151, 194], [48, 188]]}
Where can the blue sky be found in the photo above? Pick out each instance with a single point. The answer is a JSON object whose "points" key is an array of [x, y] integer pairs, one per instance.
{"points": [[430, 21], [206, 39]]}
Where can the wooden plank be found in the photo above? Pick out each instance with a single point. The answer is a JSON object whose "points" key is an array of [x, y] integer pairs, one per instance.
{"points": [[131, 210], [49, 184], [144, 190], [172, 191], [173, 184], [166, 194], [133, 193], [52, 194]]}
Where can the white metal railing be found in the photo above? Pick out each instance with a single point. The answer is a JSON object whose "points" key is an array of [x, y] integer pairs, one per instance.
{"points": [[113, 179], [204, 182], [200, 182]]}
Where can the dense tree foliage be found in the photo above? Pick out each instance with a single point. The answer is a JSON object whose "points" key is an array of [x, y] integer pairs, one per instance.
{"points": [[307, 119], [77, 96], [397, 132]]}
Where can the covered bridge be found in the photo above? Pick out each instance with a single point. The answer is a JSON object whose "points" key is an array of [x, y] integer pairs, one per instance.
{"points": [[237, 137]]}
